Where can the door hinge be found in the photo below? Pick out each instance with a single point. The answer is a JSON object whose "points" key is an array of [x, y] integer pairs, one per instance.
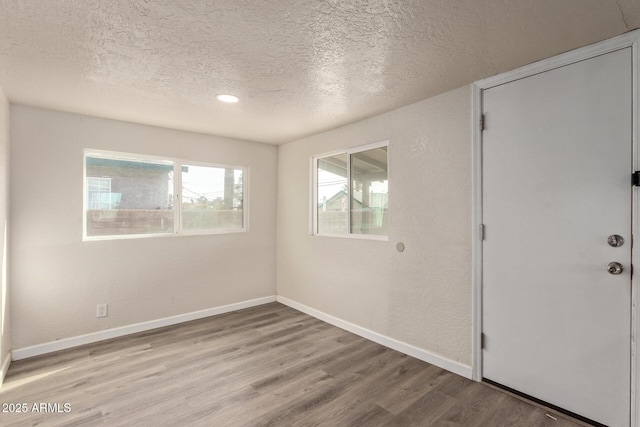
{"points": [[635, 179], [482, 340], [482, 121], [481, 231]]}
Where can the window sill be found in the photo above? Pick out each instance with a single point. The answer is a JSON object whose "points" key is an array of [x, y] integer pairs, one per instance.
{"points": [[377, 237], [161, 235]]}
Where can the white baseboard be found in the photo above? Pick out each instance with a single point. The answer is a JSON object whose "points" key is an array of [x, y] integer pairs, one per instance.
{"points": [[36, 350], [4, 369], [418, 353], [434, 359]]}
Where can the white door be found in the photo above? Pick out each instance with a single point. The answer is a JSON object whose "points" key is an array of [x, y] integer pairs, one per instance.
{"points": [[556, 162]]}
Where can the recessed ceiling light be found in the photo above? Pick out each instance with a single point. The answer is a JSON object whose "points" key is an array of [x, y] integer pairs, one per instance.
{"points": [[227, 98]]}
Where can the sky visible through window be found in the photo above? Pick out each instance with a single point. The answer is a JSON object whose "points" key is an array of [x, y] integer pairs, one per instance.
{"points": [[206, 182]]}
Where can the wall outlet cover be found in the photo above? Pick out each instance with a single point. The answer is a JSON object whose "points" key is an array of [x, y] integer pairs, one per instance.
{"points": [[102, 310]]}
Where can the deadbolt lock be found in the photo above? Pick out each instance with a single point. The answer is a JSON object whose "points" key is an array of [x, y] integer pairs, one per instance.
{"points": [[615, 268], [615, 240]]}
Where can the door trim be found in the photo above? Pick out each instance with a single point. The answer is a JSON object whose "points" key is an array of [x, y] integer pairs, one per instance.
{"points": [[627, 40]]}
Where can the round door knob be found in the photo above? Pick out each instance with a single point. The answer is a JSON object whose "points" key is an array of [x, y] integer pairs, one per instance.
{"points": [[615, 268]]}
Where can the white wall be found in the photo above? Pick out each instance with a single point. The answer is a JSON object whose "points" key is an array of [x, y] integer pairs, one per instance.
{"points": [[5, 323], [57, 279], [422, 296]]}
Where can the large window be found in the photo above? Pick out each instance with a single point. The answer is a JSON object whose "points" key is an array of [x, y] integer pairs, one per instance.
{"points": [[131, 195], [351, 192]]}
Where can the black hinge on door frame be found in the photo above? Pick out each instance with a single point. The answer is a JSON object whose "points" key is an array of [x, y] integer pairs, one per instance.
{"points": [[635, 179]]}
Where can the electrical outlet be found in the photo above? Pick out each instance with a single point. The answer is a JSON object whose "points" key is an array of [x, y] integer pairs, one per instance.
{"points": [[101, 310]]}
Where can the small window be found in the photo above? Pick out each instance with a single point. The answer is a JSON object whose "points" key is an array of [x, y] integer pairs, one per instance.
{"points": [[351, 192], [99, 193], [128, 195]]}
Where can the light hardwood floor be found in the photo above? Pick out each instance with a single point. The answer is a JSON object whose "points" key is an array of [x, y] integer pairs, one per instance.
{"points": [[265, 366]]}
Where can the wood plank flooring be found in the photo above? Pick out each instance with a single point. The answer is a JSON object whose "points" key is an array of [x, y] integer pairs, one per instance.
{"points": [[265, 366]]}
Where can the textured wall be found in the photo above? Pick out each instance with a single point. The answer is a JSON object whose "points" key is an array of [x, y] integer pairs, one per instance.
{"points": [[423, 295], [57, 279], [5, 323]]}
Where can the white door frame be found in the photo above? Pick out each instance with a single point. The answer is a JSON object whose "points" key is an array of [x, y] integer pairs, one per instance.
{"points": [[630, 39]]}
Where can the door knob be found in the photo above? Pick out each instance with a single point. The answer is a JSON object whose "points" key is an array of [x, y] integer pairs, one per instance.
{"points": [[615, 268]]}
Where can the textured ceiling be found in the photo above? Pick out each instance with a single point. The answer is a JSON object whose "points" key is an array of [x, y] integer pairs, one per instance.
{"points": [[299, 67]]}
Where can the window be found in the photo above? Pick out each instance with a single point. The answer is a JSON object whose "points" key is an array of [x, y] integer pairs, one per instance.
{"points": [[351, 192], [130, 195], [211, 198], [100, 196]]}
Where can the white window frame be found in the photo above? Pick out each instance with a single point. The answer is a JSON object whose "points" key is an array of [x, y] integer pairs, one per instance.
{"points": [[313, 222], [177, 201]]}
